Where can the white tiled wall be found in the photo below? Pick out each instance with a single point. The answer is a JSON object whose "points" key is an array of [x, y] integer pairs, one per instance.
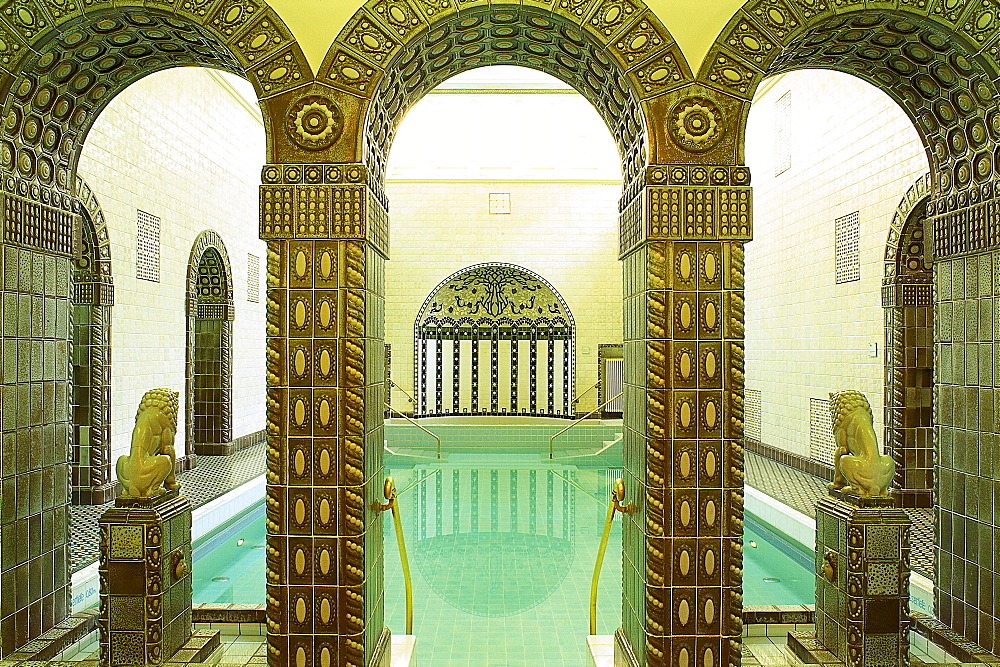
{"points": [[853, 149], [181, 146]]}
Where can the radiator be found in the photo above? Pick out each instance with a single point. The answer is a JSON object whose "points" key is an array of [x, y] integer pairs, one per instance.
{"points": [[613, 375]]}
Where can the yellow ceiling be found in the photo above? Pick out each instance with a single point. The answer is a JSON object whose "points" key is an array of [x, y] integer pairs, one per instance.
{"points": [[693, 23]]}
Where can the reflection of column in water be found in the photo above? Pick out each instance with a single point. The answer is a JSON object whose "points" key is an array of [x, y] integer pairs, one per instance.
{"points": [[549, 501], [456, 503], [533, 502], [474, 501], [494, 501], [438, 503], [513, 501]]}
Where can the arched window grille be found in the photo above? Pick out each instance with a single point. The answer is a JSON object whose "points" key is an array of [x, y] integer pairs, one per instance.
{"points": [[494, 339]]}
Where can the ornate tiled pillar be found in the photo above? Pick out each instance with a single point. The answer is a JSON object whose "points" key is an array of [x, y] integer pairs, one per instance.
{"points": [[682, 246], [327, 241]]}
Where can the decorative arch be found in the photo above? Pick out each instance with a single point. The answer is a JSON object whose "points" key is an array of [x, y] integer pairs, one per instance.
{"points": [[93, 296], [209, 373], [907, 296], [617, 54], [939, 63], [505, 314]]}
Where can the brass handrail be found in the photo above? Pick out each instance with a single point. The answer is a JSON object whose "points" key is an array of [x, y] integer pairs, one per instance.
{"points": [[614, 505], [599, 407], [585, 392], [405, 393], [391, 496], [412, 421]]}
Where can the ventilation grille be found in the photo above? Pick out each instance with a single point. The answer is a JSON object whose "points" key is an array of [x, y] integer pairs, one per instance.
{"points": [[751, 414], [848, 231], [821, 444], [147, 257], [253, 278], [783, 134]]}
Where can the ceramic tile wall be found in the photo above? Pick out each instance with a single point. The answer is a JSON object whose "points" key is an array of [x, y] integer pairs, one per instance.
{"points": [[34, 468], [853, 149], [567, 232], [178, 145], [967, 406]]}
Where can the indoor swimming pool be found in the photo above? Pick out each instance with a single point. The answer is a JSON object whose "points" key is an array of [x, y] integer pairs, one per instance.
{"points": [[502, 550]]}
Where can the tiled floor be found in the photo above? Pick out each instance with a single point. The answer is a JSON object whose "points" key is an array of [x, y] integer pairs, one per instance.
{"points": [[213, 476], [801, 491]]}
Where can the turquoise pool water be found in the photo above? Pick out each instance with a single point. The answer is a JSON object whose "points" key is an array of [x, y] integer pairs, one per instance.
{"points": [[502, 549]]}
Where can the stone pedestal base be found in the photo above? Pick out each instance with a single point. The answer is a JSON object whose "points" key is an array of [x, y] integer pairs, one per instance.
{"points": [[862, 580], [145, 579]]}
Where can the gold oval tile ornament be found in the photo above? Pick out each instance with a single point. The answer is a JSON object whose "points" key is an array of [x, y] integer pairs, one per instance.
{"points": [[684, 562], [685, 414], [685, 513], [613, 14], [299, 363], [325, 413], [325, 362], [324, 657], [710, 512], [685, 315], [683, 612], [300, 657], [325, 314], [638, 42], [685, 266], [709, 611], [325, 610], [300, 561], [711, 364], [300, 462], [710, 464], [685, 365], [709, 658], [300, 511], [711, 415], [324, 561], [299, 412], [324, 511], [709, 562], [300, 610], [711, 315], [326, 265], [300, 313], [397, 14], [710, 266], [685, 465], [683, 658], [324, 462], [301, 264]]}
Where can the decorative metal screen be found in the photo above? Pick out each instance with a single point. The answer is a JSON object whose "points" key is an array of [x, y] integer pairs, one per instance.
{"points": [[848, 253], [253, 278], [752, 414], [494, 339], [147, 257], [821, 444], [783, 134]]}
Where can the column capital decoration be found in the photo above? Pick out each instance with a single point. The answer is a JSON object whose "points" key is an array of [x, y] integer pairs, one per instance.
{"points": [[323, 201], [688, 203]]}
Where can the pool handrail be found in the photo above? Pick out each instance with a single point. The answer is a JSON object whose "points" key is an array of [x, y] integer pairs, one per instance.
{"points": [[414, 422], [405, 393], [614, 505], [389, 490], [584, 393], [599, 407]]}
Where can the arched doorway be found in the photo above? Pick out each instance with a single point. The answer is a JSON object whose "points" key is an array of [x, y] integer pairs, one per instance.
{"points": [[93, 296], [209, 370], [907, 296], [487, 321]]}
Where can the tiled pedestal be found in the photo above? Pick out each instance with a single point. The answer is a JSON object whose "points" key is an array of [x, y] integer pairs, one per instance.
{"points": [[145, 579], [862, 580]]}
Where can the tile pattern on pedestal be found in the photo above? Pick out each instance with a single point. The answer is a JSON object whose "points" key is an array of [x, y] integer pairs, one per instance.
{"points": [[862, 577], [145, 579]]}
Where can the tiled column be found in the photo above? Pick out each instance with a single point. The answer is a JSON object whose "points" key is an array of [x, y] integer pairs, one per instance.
{"points": [[682, 245], [326, 233], [34, 418]]}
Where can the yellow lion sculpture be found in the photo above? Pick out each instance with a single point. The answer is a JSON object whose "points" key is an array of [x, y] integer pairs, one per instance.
{"points": [[148, 470], [856, 462]]}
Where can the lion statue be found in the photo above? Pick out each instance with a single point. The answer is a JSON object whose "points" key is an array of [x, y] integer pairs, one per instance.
{"points": [[148, 470], [859, 469]]}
